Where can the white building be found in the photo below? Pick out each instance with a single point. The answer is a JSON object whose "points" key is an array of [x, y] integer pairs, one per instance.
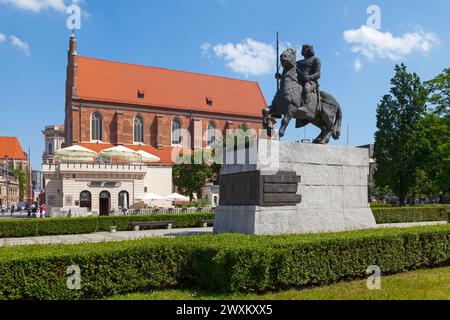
{"points": [[104, 188], [211, 194], [54, 141]]}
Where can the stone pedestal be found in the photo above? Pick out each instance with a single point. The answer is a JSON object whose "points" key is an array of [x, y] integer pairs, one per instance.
{"points": [[331, 192]]}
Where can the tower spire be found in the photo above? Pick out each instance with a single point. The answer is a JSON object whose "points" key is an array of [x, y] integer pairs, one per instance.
{"points": [[73, 44]]}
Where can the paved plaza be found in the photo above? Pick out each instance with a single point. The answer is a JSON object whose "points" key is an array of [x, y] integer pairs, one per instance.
{"points": [[136, 235], [103, 237]]}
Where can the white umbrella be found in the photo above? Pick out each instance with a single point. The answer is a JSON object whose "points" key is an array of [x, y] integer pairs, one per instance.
{"points": [[121, 152], [148, 157], [176, 197], [75, 152], [152, 197], [75, 159]]}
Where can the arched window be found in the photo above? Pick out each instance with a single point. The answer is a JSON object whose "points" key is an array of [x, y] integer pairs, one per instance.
{"points": [[86, 200], [139, 129], [124, 200], [211, 133], [176, 131], [97, 127], [50, 148]]}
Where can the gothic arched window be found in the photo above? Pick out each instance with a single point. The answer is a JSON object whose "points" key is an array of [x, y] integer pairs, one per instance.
{"points": [[176, 131], [97, 127], [139, 129], [211, 132]]}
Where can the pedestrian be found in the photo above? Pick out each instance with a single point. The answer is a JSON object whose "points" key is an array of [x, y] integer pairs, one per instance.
{"points": [[29, 210], [42, 211], [12, 209], [34, 210]]}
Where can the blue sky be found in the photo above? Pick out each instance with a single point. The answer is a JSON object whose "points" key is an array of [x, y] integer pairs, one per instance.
{"points": [[233, 38]]}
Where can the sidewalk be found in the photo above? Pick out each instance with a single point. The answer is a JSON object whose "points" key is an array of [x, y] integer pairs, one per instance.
{"points": [[103, 237], [410, 225], [135, 235]]}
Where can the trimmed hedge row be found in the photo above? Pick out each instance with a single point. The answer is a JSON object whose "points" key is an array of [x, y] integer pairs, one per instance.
{"points": [[218, 263], [13, 228], [380, 205], [411, 214]]}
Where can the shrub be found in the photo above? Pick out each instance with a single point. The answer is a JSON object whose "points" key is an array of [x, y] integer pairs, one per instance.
{"points": [[380, 205], [221, 263], [13, 228], [410, 214]]}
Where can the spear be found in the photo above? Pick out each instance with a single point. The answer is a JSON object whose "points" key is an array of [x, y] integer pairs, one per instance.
{"points": [[278, 61]]}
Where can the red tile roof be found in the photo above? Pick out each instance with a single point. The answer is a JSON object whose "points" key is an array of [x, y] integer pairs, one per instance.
{"points": [[164, 153], [10, 147], [117, 82]]}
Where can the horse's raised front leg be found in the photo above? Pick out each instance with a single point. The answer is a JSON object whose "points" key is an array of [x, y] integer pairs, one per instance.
{"points": [[287, 119]]}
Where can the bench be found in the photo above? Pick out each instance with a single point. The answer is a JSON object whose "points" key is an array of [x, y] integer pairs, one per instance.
{"points": [[151, 224], [206, 223]]}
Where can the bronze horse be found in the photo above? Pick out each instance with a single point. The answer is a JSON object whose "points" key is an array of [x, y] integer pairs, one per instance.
{"points": [[288, 102]]}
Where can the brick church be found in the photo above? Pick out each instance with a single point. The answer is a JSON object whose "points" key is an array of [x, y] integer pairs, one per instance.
{"points": [[143, 108], [140, 107]]}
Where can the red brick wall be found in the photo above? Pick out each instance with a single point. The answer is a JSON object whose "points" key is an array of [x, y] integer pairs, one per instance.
{"points": [[118, 125]]}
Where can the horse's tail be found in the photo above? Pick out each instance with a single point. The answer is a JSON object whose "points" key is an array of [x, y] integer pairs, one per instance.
{"points": [[337, 123]]}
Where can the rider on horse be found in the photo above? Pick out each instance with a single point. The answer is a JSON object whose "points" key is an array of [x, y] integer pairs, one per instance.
{"points": [[309, 73], [300, 98]]}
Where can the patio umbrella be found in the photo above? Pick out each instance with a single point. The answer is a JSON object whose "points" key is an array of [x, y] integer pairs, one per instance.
{"points": [[75, 154], [75, 159], [121, 152], [148, 157], [177, 197], [152, 197]]}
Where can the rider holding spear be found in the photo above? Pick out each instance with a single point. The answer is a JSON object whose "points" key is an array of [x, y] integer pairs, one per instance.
{"points": [[309, 73]]}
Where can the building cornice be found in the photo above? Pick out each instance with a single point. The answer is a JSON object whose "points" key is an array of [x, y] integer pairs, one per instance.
{"points": [[79, 103]]}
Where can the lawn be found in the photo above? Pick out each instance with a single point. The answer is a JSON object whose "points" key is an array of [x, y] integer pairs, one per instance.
{"points": [[432, 284]]}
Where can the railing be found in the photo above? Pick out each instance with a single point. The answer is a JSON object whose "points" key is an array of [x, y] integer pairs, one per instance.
{"points": [[142, 212]]}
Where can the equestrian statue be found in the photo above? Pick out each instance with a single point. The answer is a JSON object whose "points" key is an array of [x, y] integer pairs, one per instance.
{"points": [[299, 97]]}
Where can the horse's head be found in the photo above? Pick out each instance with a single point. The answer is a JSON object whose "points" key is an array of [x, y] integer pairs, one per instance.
{"points": [[289, 58]]}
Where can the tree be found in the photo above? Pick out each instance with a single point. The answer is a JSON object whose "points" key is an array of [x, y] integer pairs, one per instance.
{"points": [[22, 178], [439, 89], [397, 150], [436, 127], [191, 177]]}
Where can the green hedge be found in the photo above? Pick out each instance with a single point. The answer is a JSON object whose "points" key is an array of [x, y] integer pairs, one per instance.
{"points": [[13, 228], [218, 263], [411, 214], [380, 205]]}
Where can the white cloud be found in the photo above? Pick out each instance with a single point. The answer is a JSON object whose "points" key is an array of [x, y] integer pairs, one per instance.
{"points": [[206, 50], [37, 5], [249, 58], [2, 37], [357, 65], [373, 43], [22, 45]]}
